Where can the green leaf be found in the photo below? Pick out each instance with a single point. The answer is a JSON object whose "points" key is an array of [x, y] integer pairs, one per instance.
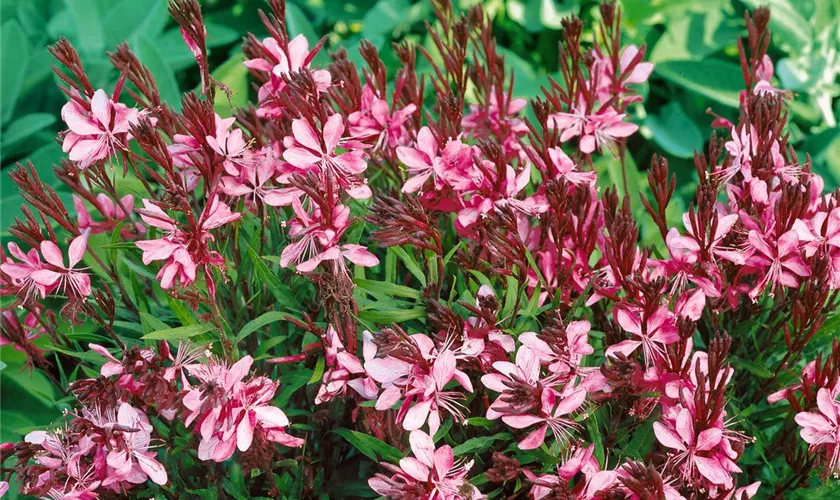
{"points": [[389, 289], [642, 441], [88, 24], [753, 366], [235, 77], [369, 445], [718, 80], [164, 77], [410, 263], [392, 316], [695, 36], [25, 126], [14, 58], [674, 131], [263, 320], [143, 18], [281, 292], [384, 17], [479, 444], [298, 24], [182, 332], [151, 323]]}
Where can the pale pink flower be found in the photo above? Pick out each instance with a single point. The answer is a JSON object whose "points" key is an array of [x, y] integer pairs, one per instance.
{"points": [[317, 241], [230, 145], [693, 450], [57, 276], [278, 63], [98, 133], [132, 461], [432, 398], [564, 168], [21, 272], [430, 474], [420, 161], [374, 120], [654, 332], [821, 429], [554, 415], [308, 151], [780, 264], [603, 129]]}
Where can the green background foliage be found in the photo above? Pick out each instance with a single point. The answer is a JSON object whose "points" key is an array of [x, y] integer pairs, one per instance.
{"points": [[692, 42]]}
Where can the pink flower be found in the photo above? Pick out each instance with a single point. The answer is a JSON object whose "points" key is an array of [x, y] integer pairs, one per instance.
{"points": [[57, 276], [420, 161], [742, 148], [517, 385], [132, 461], [714, 244], [98, 133], [374, 120], [113, 211], [21, 272], [432, 398], [604, 128], [554, 415], [230, 145], [308, 150], [278, 63], [564, 168], [228, 423], [431, 473], [682, 267], [694, 451], [343, 366], [184, 251], [654, 332], [821, 429], [318, 241], [781, 264]]}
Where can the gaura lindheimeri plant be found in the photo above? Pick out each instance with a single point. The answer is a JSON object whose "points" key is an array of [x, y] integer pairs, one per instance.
{"points": [[421, 286]]}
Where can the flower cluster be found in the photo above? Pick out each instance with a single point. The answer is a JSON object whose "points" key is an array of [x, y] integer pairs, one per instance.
{"points": [[429, 275]]}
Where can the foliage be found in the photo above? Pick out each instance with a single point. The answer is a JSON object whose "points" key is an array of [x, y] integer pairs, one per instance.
{"points": [[414, 265]]}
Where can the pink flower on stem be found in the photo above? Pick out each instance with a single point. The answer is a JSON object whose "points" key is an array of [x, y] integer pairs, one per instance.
{"points": [[131, 459], [694, 452], [308, 150], [554, 415], [432, 398], [318, 241], [714, 246], [420, 161], [56, 276], [21, 272], [654, 332], [564, 168], [97, 133], [682, 267], [184, 251], [277, 63], [345, 369], [431, 473], [113, 211], [230, 145], [517, 385], [603, 129], [821, 429], [374, 120], [781, 263]]}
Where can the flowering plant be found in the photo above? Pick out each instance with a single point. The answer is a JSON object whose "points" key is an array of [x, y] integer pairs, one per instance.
{"points": [[421, 281]]}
